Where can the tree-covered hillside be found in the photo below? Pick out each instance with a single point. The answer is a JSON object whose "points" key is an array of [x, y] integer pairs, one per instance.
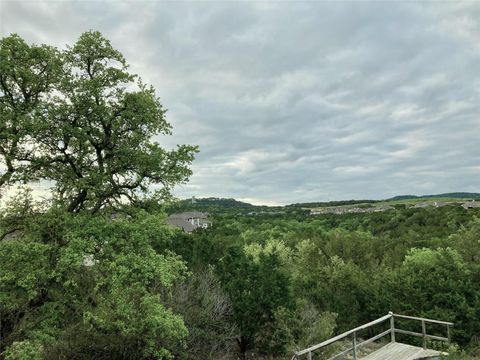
{"points": [[211, 204], [341, 270]]}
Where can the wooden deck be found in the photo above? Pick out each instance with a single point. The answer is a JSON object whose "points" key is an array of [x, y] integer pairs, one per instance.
{"points": [[392, 351], [399, 351]]}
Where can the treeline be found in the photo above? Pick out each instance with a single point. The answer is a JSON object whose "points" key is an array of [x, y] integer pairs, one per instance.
{"points": [[213, 205], [455, 195], [332, 203]]}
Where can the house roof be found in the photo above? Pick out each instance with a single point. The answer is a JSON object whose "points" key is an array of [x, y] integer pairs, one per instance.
{"points": [[181, 220], [190, 215], [471, 204], [181, 223]]}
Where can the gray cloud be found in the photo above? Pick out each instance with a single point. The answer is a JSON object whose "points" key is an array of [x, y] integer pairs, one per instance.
{"points": [[293, 101]]}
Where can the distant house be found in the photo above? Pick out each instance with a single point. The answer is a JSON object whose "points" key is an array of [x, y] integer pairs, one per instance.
{"points": [[423, 204], [189, 221], [339, 210], [381, 208], [471, 204]]}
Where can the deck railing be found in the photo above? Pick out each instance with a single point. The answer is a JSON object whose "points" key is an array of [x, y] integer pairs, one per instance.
{"points": [[392, 331]]}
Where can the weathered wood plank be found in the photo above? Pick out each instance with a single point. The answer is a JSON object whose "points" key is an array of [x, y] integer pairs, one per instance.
{"points": [[399, 351]]}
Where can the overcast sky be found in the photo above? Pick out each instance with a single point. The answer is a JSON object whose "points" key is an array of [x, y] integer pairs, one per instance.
{"points": [[291, 101]]}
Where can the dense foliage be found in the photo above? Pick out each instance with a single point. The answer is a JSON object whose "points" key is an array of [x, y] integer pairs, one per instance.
{"points": [[80, 277], [357, 267], [84, 286]]}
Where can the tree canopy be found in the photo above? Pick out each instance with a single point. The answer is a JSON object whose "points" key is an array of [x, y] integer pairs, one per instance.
{"points": [[80, 119]]}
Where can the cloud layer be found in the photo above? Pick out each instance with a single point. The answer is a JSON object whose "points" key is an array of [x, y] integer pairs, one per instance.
{"points": [[294, 101]]}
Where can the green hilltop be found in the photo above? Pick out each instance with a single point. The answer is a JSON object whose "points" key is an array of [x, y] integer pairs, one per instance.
{"points": [[221, 205]]}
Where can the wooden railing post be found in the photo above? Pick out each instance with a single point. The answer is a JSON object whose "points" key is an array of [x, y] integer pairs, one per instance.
{"points": [[448, 334], [392, 327], [424, 334], [309, 355], [354, 345]]}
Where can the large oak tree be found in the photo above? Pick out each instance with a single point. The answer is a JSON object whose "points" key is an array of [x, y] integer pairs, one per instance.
{"points": [[79, 119], [73, 283]]}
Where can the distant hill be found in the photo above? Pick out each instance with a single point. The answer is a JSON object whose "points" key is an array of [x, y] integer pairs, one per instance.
{"points": [[217, 205], [332, 203], [210, 204], [221, 202], [454, 195]]}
